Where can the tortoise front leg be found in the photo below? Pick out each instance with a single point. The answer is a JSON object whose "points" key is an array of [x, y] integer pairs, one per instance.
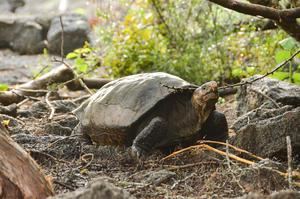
{"points": [[215, 128], [151, 137]]}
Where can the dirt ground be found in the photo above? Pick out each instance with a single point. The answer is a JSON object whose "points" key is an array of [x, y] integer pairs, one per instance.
{"points": [[71, 162]]}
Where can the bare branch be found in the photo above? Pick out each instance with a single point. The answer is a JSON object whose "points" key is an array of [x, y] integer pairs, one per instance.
{"points": [[265, 75], [259, 10], [285, 18]]}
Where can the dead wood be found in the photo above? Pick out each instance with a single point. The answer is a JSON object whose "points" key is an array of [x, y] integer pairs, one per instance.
{"points": [[20, 176], [92, 83], [39, 86], [34, 87]]}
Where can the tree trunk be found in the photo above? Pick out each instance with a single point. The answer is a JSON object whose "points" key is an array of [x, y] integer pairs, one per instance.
{"points": [[20, 176]]}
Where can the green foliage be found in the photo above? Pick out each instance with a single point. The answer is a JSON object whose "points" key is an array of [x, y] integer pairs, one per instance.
{"points": [[85, 59], [291, 71], [3, 87], [137, 46], [175, 44], [194, 39], [251, 52]]}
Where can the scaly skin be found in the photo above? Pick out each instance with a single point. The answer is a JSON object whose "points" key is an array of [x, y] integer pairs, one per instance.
{"points": [[159, 132]]}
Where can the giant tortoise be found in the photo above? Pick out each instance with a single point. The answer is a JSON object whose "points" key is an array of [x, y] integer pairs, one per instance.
{"points": [[152, 111]]}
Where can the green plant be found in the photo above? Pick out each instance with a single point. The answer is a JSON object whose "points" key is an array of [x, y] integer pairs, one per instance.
{"points": [[156, 36], [85, 59], [291, 71], [4, 87], [192, 39]]}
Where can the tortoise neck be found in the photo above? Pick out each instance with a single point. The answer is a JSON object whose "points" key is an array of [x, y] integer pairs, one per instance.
{"points": [[202, 110]]}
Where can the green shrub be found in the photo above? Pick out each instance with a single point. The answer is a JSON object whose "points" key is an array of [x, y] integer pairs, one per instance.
{"points": [[194, 39]]}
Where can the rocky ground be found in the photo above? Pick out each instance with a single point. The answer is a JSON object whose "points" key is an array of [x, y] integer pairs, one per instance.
{"points": [[260, 117], [71, 162]]}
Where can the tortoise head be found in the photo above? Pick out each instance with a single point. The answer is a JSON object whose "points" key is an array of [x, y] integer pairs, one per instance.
{"points": [[204, 99]]}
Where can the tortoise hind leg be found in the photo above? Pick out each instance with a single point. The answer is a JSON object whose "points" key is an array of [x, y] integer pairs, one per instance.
{"points": [[150, 137], [215, 127]]}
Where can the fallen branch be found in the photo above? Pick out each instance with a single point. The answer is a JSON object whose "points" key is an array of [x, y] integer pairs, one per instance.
{"points": [[39, 86], [58, 75], [76, 75], [91, 83]]}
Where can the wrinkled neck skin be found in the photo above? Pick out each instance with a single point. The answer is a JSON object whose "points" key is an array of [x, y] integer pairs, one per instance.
{"points": [[203, 109]]}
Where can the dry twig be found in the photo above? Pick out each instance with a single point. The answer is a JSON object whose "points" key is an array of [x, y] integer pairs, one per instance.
{"points": [[263, 76], [22, 102], [177, 167], [227, 156], [231, 146], [183, 180], [84, 157], [289, 156], [52, 109], [207, 147], [234, 157], [76, 75]]}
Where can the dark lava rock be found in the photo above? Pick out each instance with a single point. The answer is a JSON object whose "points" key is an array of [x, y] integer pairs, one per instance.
{"points": [[21, 33], [56, 129], [249, 97], [266, 136], [97, 189], [76, 33], [258, 115]]}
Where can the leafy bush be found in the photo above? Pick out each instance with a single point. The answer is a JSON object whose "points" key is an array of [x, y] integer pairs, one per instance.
{"points": [[195, 40]]}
